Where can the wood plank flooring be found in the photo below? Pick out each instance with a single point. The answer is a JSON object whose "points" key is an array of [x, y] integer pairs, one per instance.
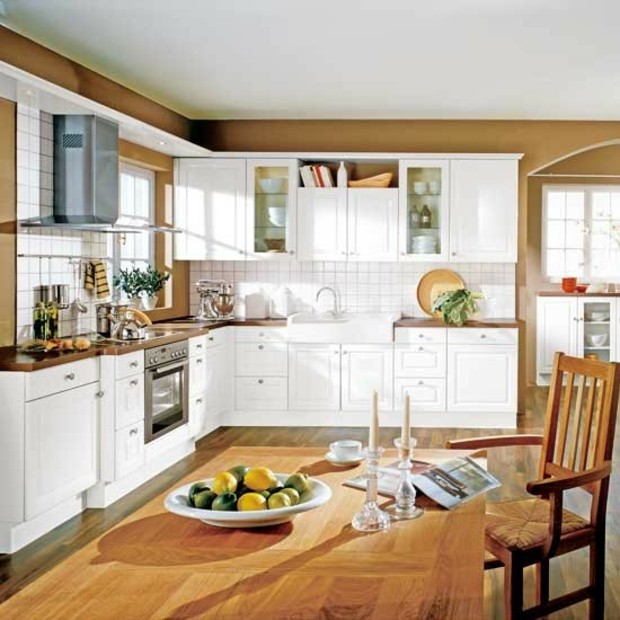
{"points": [[513, 466]]}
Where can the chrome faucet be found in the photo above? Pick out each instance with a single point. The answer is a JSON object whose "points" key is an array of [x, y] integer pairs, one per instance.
{"points": [[333, 292]]}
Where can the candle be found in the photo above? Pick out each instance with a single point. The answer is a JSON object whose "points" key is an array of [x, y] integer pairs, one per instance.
{"points": [[405, 432], [373, 431]]}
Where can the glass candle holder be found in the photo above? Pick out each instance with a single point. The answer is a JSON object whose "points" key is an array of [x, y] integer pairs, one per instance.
{"points": [[371, 518], [404, 507]]}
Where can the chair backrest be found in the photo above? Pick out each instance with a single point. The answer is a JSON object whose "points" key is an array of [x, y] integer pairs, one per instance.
{"points": [[581, 421]]}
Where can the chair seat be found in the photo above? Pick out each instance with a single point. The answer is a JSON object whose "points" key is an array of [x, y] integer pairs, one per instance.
{"points": [[524, 524]]}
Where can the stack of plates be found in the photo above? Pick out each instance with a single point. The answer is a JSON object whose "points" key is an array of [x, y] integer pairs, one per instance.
{"points": [[423, 244]]}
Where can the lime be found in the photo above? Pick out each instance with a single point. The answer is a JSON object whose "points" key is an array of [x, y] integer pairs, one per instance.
{"points": [[239, 472], [292, 494], [279, 500], [260, 479], [224, 482], [299, 482], [226, 501], [251, 501], [195, 488], [204, 499]]}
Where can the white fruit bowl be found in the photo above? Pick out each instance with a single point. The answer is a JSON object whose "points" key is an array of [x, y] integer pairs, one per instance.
{"points": [[177, 502], [596, 340]]}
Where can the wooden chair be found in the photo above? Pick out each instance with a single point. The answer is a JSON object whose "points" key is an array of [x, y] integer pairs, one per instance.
{"points": [[576, 452]]}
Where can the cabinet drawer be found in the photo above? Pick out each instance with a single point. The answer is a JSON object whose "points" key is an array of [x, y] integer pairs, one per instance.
{"points": [[129, 401], [216, 337], [267, 359], [197, 345], [423, 360], [197, 374], [477, 335], [129, 449], [261, 393], [40, 383], [415, 335], [426, 394], [129, 364], [197, 413], [260, 334]]}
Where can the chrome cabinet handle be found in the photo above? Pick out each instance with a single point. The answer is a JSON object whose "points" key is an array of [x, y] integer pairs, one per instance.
{"points": [[420, 348], [260, 381], [483, 336], [261, 347], [291, 251], [345, 352], [199, 346], [133, 382], [99, 394], [420, 382], [420, 335], [261, 334], [133, 364], [70, 376], [133, 431], [198, 401], [199, 360]]}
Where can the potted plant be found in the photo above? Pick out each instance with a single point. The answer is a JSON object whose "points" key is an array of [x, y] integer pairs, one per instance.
{"points": [[152, 281], [130, 282], [456, 306]]}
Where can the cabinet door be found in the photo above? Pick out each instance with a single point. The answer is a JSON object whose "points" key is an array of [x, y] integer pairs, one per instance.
{"points": [[482, 378], [197, 374], [61, 447], [556, 330], [425, 184], [314, 377], [129, 449], [596, 328], [261, 393], [129, 395], [210, 209], [197, 414], [271, 211], [364, 369], [422, 360], [322, 216], [426, 394], [483, 210], [253, 359], [372, 224]]}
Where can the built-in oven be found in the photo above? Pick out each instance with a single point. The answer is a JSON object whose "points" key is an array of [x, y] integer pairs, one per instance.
{"points": [[166, 389]]}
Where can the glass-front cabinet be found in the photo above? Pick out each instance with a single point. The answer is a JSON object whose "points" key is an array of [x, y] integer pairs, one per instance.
{"points": [[423, 210], [271, 208], [596, 338]]}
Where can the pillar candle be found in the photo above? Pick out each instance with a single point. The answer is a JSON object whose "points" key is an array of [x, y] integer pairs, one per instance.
{"points": [[373, 431], [406, 431]]}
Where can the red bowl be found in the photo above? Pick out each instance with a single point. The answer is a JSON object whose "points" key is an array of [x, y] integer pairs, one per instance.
{"points": [[581, 288]]}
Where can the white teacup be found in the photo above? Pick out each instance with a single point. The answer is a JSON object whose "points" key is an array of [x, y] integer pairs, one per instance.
{"points": [[346, 449]]}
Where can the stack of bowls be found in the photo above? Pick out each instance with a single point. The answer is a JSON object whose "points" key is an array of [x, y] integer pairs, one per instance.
{"points": [[423, 244]]}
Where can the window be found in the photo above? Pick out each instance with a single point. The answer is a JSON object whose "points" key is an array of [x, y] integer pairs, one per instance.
{"points": [[136, 208], [581, 232]]}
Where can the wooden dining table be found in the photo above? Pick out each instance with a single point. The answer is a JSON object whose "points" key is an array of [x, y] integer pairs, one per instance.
{"points": [[157, 565]]}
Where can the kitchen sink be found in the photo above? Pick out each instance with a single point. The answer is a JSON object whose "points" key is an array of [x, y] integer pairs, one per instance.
{"points": [[343, 328]]}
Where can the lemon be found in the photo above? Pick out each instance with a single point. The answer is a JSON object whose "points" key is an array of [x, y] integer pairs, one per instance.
{"points": [[260, 479], [224, 482], [293, 495], [279, 500], [251, 501]]}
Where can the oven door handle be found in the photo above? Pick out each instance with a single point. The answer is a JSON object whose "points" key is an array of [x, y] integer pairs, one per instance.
{"points": [[167, 368]]}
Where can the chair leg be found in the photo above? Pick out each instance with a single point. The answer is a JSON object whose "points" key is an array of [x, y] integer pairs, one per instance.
{"points": [[542, 583], [597, 579], [513, 590]]}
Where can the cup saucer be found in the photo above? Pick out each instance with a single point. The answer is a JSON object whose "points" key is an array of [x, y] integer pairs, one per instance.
{"points": [[334, 460]]}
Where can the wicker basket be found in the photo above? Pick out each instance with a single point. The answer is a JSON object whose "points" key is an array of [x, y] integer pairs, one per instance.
{"points": [[380, 180]]}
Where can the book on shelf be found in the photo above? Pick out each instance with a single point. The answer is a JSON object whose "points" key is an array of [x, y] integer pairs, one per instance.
{"points": [[449, 484], [316, 176], [306, 176]]}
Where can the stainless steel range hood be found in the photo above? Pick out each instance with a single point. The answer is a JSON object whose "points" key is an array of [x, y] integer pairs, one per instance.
{"points": [[86, 177]]}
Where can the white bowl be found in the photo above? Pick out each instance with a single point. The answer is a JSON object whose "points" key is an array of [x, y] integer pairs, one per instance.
{"points": [[272, 186], [277, 215], [419, 187], [596, 340], [598, 315], [177, 502]]}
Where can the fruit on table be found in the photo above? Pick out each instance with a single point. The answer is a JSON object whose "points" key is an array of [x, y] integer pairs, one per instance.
{"points": [[252, 501], [279, 500], [292, 494], [239, 472], [204, 499], [195, 488], [224, 482], [299, 482], [260, 479], [226, 501]]}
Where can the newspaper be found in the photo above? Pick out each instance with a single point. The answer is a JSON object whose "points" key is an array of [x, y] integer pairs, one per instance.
{"points": [[449, 484]]}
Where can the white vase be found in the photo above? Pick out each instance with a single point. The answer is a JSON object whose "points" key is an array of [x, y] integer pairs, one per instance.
{"points": [[149, 303], [136, 302]]}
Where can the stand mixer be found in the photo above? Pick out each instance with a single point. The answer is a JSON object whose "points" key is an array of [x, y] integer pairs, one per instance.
{"points": [[217, 300]]}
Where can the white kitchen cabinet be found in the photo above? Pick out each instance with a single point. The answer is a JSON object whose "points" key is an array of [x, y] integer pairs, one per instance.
{"points": [[427, 393], [197, 374], [482, 370], [129, 449], [422, 360], [483, 210], [197, 414], [322, 217], [253, 359], [314, 377], [261, 393], [271, 208], [372, 224], [576, 326], [424, 183], [129, 395], [366, 368], [209, 207], [60, 447]]}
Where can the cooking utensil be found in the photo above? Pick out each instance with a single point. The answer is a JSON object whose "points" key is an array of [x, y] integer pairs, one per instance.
{"points": [[434, 283]]}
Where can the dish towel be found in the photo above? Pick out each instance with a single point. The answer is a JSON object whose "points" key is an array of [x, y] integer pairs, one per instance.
{"points": [[96, 278]]}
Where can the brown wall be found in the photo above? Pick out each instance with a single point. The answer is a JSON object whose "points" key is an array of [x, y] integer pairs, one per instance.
{"points": [[8, 214]]}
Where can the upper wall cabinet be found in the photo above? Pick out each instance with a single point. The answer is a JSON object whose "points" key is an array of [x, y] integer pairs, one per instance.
{"points": [[483, 210], [210, 209], [271, 208]]}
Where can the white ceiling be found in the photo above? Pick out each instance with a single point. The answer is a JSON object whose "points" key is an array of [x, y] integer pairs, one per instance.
{"points": [[345, 59]]}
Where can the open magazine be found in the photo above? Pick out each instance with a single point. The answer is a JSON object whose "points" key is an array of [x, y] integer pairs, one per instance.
{"points": [[449, 484]]}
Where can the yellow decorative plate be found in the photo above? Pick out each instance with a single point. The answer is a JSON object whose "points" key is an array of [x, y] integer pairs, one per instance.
{"points": [[435, 283]]}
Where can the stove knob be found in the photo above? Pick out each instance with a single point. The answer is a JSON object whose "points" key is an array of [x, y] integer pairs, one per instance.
{"points": [[155, 359], [151, 360], [184, 352]]}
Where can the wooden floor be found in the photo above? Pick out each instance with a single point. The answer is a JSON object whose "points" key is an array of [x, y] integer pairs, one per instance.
{"points": [[514, 467]]}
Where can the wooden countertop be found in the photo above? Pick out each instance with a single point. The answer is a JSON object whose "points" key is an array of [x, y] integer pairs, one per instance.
{"points": [[563, 294], [429, 322], [158, 565]]}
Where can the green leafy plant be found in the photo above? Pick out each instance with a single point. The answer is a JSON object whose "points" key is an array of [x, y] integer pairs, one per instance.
{"points": [[135, 281], [456, 306], [153, 280]]}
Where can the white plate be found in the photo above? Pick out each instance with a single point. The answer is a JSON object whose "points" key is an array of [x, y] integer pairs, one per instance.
{"points": [[334, 460], [177, 503]]}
